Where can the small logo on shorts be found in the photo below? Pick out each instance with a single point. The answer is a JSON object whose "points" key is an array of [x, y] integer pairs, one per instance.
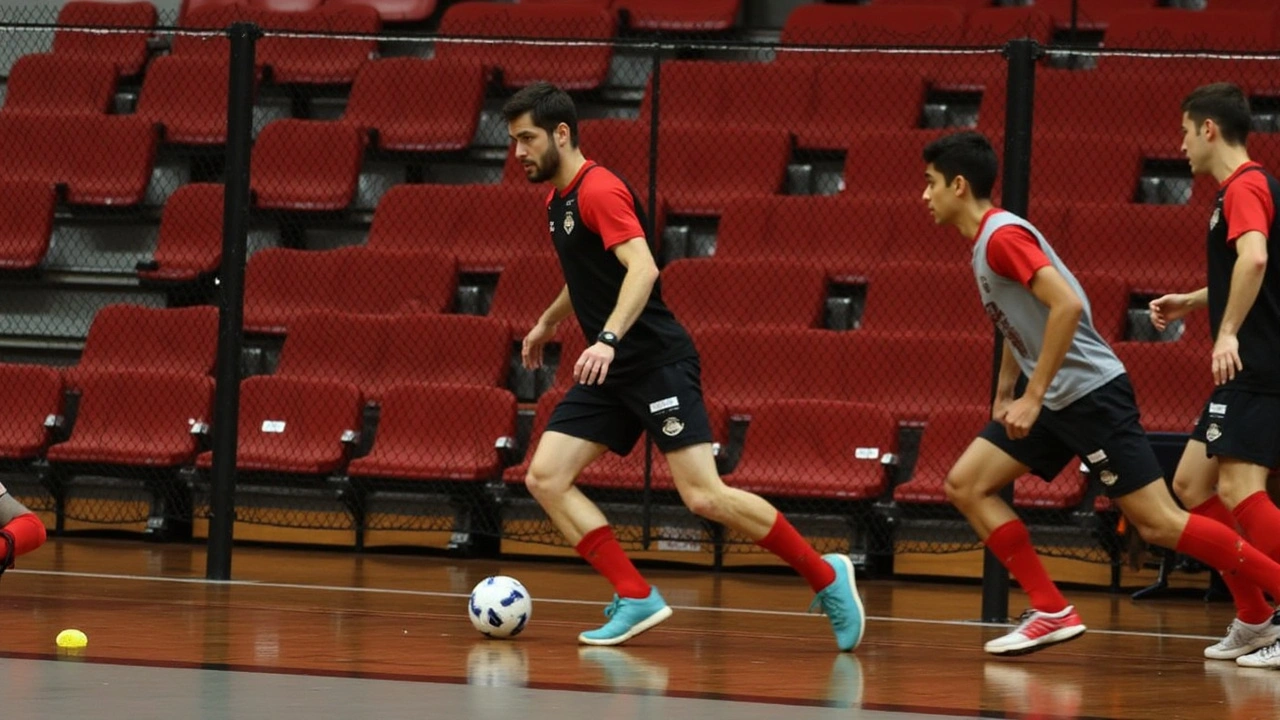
{"points": [[664, 404], [1097, 456], [1213, 433], [1218, 409], [672, 427], [1108, 478], [568, 223]]}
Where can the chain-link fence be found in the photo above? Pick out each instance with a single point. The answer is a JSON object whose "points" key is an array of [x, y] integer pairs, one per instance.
{"points": [[396, 257]]}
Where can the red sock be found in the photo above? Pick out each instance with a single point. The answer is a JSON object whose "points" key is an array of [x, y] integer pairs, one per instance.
{"points": [[1220, 547], [1260, 519], [1011, 544], [28, 534], [600, 548], [1251, 606], [784, 541]]}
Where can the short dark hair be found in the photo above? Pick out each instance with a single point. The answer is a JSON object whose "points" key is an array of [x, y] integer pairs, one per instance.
{"points": [[1223, 103], [548, 105], [968, 154]]}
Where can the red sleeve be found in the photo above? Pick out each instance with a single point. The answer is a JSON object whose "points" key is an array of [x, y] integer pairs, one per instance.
{"points": [[608, 209], [1248, 205], [1015, 253]]}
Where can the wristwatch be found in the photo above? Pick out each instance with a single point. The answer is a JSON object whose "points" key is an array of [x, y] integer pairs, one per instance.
{"points": [[608, 338]]}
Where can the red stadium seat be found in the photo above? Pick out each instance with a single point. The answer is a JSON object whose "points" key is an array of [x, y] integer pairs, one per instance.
{"points": [[157, 340], [846, 99], [190, 241], [288, 6], [1091, 13], [441, 350], [1155, 248], [627, 472], [817, 449], [26, 222], [747, 367], [32, 395], [127, 50], [924, 298], [701, 170], [869, 26], [135, 418], [697, 93], [293, 425], [393, 11], [1061, 174], [993, 26], [335, 347], [739, 293], [187, 97], [213, 17], [913, 375], [417, 105], [1069, 103], [446, 218], [319, 60], [439, 432], [673, 16], [526, 287], [101, 159], [282, 283], [1172, 382], [1168, 29], [60, 84], [845, 237], [580, 67], [306, 165]]}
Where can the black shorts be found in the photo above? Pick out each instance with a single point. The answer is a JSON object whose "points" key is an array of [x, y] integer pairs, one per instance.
{"points": [[667, 402], [1241, 425], [1101, 428]]}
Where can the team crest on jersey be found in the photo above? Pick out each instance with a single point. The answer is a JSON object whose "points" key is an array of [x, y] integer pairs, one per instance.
{"points": [[1213, 432], [672, 427], [568, 223], [986, 287], [1215, 217]]}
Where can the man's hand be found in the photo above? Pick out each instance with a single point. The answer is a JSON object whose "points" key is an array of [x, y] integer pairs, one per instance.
{"points": [[593, 364], [1166, 309], [1019, 416], [1226, 358], [1000, 406], [531, 348]]}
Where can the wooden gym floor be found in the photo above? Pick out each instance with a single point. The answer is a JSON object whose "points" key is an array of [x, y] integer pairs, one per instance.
{"points": [[309, 634]]}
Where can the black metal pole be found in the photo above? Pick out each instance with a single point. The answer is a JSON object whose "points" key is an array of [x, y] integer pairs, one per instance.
{"points": [[1015, 197], [235, 230], [646, 512]]}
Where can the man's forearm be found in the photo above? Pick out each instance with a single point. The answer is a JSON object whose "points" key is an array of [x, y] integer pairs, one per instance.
{"points": [[637, 286], [559, 309]]}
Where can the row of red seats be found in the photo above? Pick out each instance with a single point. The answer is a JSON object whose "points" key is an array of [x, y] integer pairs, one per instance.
{"points": [[388, 10], [295, 421], [899, 24]]}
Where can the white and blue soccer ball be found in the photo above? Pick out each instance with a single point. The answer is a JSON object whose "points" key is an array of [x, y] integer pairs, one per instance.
{"points": [[500, 607]]}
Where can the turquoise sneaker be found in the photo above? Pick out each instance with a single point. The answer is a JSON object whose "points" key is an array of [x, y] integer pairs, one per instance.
{"points": [[628, 617], [841, 603]]}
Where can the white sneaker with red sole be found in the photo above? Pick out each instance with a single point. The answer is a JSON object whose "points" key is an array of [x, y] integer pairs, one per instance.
{"points": [[1038, 630]]}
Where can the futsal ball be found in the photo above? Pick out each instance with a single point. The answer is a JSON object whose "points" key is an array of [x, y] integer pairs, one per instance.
{"points": [[500, 607]]}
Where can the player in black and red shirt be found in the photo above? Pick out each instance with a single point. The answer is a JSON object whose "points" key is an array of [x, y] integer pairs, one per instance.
{"points": [[640, 373], [1237, 439]]}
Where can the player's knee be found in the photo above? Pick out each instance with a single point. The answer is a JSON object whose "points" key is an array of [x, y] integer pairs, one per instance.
{"points": [[704, 503], [961, 490], [543, 483], [1156, 532], [1190, 490]]}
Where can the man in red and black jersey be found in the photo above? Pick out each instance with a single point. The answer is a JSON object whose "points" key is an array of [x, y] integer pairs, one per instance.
{"points": [[1237, 439], [640, 373]]}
